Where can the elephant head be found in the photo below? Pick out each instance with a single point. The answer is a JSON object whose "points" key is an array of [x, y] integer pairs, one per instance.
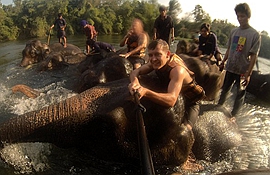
{"points": [[51, 56], [34, 52], [102, 68]]}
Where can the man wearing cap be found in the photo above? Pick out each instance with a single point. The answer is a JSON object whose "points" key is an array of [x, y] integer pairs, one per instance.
{"points": [[163, 26], [91, 35]]}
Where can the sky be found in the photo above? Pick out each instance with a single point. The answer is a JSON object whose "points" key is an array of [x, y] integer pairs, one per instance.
{"points": [[222, 9]]}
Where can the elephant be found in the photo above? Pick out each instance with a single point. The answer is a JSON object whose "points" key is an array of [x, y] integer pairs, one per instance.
{"points": [[50, 56], [102, 122], [101, 118], [259, 85], [104, 67]]}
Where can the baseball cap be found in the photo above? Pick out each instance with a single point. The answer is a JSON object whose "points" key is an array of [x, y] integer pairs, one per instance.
{"points": [[83, 22]]}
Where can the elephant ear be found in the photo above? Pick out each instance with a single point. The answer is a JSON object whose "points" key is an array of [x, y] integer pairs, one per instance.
{"points": [[211, 85]]}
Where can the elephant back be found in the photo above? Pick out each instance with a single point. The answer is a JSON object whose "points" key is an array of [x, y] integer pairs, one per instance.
{"points": [[103, 68], [163, 125], [205, 75]]}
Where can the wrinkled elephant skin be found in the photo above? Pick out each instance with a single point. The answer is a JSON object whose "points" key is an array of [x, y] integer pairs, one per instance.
{"points": [[101, 120], [102, 68]]}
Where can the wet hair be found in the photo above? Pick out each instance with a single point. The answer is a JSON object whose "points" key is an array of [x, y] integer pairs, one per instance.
{"points": [[162, 8], [243, 8], [163, 44], [59, 14], [205, 26]]}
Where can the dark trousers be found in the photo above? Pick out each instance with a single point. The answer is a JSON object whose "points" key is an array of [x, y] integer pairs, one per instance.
{"points": [[191, 112], [230, 79]]}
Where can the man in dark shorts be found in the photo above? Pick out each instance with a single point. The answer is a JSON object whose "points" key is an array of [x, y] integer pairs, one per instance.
{"points": [[163, 26], [60, 24]]}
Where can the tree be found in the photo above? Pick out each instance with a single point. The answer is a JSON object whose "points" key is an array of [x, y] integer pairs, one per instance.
{"points": [[174, 10], [200, 16]]}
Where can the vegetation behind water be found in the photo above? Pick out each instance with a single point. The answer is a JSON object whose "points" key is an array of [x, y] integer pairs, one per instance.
{"points": [[33, 18]]}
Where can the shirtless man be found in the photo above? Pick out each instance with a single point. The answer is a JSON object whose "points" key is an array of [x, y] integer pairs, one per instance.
{"points": [[173, 72], [136, 40]]}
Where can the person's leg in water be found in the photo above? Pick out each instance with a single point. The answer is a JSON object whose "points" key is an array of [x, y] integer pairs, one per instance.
{"points": [[240, 97], [65, 41], [191, 114], [227, 85]]}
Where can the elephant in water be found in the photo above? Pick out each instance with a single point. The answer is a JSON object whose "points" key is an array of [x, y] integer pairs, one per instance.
{"points": [[50, 56], [259, 85], [102, 121]]}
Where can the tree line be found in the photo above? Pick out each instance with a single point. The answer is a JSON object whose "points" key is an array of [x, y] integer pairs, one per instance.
{"points": [[33, 18]]}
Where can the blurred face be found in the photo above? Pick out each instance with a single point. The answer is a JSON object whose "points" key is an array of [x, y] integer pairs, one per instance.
{"points": [[158, 57], [162, 13], [242, 19], [136, 27]]}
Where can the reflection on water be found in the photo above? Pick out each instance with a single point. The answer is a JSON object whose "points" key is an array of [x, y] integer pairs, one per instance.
{"points": [[253, 122]]}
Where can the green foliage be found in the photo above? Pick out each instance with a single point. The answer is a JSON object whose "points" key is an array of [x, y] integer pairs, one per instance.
{"points": [[8, 30]]}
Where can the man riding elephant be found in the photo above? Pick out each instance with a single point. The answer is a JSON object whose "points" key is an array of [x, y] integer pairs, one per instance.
{"points": [[176, 77], [100, 120]]}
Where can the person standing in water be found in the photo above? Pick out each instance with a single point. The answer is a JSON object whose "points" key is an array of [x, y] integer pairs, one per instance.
{"points": [[60, 24], [241, 55]]}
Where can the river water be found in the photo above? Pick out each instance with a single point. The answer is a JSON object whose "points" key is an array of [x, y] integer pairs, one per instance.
{"points": [[46, 159]]}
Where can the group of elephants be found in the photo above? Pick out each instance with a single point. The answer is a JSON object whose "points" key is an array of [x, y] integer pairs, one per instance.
{"points": [[101, 119]]}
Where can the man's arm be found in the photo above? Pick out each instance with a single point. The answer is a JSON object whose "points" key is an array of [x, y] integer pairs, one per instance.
{"points": [[133, 77], [142, 43], [172, 34], [155, 34], [124, 40], [253, 58], [168, 98]]}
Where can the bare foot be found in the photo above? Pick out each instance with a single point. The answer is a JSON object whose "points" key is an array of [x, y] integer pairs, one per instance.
{"points": [[191, 165]]}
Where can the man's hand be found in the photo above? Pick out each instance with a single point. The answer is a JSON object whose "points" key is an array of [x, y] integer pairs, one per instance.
{"points": [[136, 87]]}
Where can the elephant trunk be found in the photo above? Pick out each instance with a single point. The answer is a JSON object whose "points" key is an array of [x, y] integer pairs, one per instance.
{"points": [[62, 122], [29, 92]]}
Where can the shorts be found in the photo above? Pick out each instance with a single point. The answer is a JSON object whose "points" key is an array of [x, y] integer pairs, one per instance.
{"points": [[61, 34]]}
